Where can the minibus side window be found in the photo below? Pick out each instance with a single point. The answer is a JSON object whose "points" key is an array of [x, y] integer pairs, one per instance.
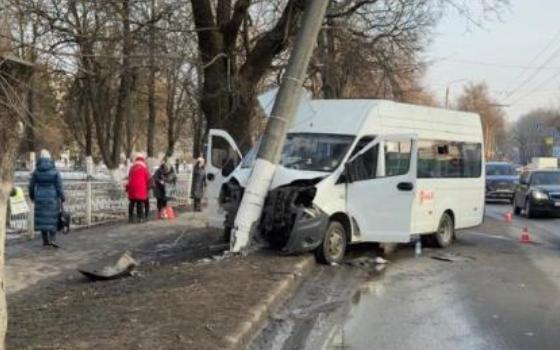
{"points": [[364, 167], [222, 152], [449, 159], [397, 157]]}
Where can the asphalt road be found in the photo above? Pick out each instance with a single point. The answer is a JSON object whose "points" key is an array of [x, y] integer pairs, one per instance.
{"points": [[495, 293]]}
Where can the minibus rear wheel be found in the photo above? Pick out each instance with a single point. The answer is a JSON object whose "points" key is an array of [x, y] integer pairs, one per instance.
{"points": [[446, 231], [333, 247]]}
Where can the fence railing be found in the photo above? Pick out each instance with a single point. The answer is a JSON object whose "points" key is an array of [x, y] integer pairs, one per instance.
{"points": [[96, 202]]}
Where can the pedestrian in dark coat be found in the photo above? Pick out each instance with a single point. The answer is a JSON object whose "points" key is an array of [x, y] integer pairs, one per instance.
{"points": [[45, 190], [138, 188], [198, 183], [162, 179]]}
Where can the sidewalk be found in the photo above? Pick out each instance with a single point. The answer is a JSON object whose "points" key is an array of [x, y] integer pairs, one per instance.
{"points": [[186, 295], [28, 262]]}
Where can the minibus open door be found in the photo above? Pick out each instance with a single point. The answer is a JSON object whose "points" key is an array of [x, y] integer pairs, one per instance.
{"points": [[381, 204], [223, 156]]}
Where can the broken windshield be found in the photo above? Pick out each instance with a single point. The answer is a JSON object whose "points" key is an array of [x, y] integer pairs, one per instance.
{"points": [[314, 152]]}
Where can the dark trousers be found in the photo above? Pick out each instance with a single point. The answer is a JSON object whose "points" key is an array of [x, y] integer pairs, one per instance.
{"points": [[161, 203], [139, 205], [146, 208], [48, 237], [196, 204]]}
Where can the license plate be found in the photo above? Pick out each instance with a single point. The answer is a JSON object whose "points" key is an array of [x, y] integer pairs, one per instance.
{"points": [[557, 204]]}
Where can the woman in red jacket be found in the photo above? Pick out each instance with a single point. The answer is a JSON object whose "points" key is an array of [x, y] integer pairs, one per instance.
{"points": [[138, 188]]}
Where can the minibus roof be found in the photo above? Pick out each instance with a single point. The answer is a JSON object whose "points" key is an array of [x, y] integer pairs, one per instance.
{"points": [[368, 116]]}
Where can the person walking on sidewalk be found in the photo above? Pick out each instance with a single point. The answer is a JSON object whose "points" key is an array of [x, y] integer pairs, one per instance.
{"points": [[138, 188], [164, 178], [46, 191], [198, 183]]}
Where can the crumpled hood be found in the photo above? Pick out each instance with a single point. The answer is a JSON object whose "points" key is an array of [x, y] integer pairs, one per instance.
{"points": [[282, 176], [45, 164]]}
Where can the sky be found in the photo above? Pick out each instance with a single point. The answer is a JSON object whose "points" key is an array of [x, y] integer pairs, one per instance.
{"points": [[518, 56]]}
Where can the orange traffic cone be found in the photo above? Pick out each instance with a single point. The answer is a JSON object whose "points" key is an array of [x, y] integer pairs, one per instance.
{"points": [[525, 237], [508, 217]]}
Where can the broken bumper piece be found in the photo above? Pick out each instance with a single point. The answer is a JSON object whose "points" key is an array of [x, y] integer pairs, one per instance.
{"points": [[308, 231]]}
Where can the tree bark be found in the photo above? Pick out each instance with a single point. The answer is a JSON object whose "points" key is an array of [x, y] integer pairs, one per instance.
{"points": [[229, 93], [124, 87], [151, 87]]}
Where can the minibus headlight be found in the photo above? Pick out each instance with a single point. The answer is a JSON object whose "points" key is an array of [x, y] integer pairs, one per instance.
{"points": [[539, 195]]}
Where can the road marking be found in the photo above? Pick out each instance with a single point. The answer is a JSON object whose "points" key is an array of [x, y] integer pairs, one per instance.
{"points": [[503, 238]]}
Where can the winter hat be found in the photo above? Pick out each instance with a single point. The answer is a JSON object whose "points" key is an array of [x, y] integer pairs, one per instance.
{"points": [[45, 154], [139, 156]]}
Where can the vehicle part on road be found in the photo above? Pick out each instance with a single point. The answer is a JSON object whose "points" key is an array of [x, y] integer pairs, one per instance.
{"points": [[333, 247], [122, 268], [367, 262], [525, 236], [451, 257]]}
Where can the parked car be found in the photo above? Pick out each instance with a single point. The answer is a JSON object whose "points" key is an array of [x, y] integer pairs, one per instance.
{"points": [[538, 192], [501, 178]]}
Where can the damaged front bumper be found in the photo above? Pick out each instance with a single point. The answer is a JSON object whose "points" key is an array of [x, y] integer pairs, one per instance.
{"points": [[308, 231], [290, 222]]}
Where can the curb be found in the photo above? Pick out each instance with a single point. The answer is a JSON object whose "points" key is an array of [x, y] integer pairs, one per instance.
{"points": [[258, 315]]}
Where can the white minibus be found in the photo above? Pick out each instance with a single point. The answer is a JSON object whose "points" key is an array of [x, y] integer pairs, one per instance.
{"points": [[359, 171]]}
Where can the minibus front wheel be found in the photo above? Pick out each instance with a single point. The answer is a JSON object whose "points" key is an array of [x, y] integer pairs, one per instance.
{"points": [[333, 247]]}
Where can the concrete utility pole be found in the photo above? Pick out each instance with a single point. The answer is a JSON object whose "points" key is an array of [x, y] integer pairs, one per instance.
{"points": [[280, 119]]}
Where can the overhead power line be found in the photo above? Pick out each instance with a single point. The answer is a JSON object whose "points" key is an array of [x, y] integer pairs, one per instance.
{"points": [[554, 54]]}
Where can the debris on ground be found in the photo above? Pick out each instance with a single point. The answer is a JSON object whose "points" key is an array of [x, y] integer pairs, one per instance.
{"points": [[167, 246], [215, 258], [381, 261], [122, 268], [367, 262], [452, 257]]}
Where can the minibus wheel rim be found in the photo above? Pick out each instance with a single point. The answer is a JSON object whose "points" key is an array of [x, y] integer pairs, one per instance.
{"points": [[445, 231], [336, 243]]}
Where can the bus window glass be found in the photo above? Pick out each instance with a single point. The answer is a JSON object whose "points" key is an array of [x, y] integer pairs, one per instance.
{"points": [[397, 157], [446, 159]]}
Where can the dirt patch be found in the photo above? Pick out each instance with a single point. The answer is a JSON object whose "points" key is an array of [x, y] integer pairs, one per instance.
{"points": [[170, 305]]}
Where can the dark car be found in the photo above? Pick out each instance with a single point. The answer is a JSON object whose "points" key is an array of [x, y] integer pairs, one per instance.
{"points": [[501, 178], [538, 192]]}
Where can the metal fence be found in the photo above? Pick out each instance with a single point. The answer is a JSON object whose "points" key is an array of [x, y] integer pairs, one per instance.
{"points": [[97, 202]]}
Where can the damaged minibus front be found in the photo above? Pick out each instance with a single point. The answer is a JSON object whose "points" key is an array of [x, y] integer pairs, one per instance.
{"points": [[291, 220]]}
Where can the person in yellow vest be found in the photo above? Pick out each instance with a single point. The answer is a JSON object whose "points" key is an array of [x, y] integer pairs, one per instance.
{"points": [[16, 204]]}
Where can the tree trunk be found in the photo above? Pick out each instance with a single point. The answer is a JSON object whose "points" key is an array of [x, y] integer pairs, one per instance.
{"points": [[151, 89], [11, 114], [89, 128], [30, 144], [124, 88], [5, 187]]}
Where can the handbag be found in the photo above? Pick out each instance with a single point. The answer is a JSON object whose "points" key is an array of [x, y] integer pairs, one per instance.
{"points": [[170, 191], [64, 219]]}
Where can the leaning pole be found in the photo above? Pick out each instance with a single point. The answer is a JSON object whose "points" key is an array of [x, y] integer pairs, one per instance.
{"points": [[281, 117]]}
